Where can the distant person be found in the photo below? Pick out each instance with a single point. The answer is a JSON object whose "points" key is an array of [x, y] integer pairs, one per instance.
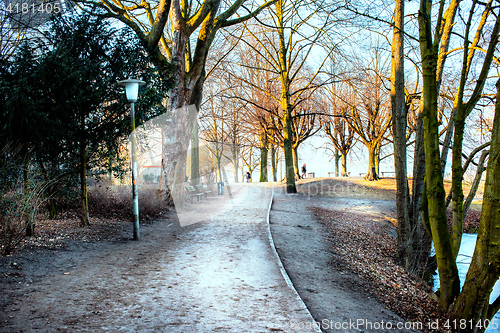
{"points": [[304, 170], [248, 177]]}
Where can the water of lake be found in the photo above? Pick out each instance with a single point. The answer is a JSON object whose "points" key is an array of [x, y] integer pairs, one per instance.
{"points": [[463, 262]]}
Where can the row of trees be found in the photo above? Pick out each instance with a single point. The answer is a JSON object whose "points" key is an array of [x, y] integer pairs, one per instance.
{"points": [[241, 110], [347, 105]]}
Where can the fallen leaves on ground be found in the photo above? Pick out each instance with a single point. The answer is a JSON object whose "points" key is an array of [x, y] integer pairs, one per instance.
{"points": [[366, 245], [54, 234], [471, 222]]}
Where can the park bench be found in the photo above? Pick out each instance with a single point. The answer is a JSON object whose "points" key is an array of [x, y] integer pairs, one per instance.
{"points": [[388, 172], [204, 191], [338, 174], [192, 192], [310, 175]]}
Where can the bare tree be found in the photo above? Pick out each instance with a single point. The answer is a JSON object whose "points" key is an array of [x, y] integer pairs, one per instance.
{"points": [[284, 42], [341, 135], [166, 28], [368, 114]]}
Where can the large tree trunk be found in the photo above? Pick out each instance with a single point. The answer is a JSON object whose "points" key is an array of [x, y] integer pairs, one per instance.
{"points": [[448, 273], [296, 169], [418, 169], [456, 183], [285, 100], [175, 145], [377, 159], [195, 156], [372, 171], [287, 145], [184, 105], [218, 159], [447, 139], [344, 164], [336, 159], [263, 157], [274, 163], [420, 242], [84, 217], [236, 161], [399, 120], [196, 99], [29, 223], [52, 208], [473, 302]]}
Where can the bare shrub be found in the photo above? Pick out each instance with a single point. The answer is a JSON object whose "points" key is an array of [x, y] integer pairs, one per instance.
{"points": [[12, 226], [20, 200], [116, 202]]}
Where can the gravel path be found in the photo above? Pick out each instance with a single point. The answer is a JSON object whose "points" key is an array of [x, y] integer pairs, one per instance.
{"points": [[219, 275]]}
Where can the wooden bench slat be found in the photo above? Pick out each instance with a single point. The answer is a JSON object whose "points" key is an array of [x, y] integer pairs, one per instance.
{"points": [[193, 193]]}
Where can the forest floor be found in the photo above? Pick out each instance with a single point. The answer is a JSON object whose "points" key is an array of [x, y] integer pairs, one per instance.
{"points": [[336, 240]]}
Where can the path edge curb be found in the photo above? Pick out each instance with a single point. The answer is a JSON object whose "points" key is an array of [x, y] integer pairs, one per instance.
{"points": [[282, 268]]}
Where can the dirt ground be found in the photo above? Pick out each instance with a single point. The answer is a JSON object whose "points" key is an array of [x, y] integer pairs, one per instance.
{"points": [[335, 297], [218, 275], [337, 241]]}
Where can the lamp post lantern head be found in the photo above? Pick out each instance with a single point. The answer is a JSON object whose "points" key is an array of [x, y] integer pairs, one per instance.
{"points": [[132, 88]]}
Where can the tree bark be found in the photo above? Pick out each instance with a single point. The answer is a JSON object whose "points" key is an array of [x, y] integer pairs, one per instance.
{"points": [[84, 217], [344, 164], [435, 194], [456, 182], [285, 100], [263, 157], [29, 223], [185, 99], [274, 163], [463, 110], [195, 156], [287, 147], [52, 208], [336, 159], [399, 120], [175, 144], [473, 302], [447, 139], [372, 172], [296, 169], [236, 161], [418, 171]]}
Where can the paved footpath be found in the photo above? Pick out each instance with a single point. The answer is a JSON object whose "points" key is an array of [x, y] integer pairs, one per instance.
{"points": [[218, 275]]}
